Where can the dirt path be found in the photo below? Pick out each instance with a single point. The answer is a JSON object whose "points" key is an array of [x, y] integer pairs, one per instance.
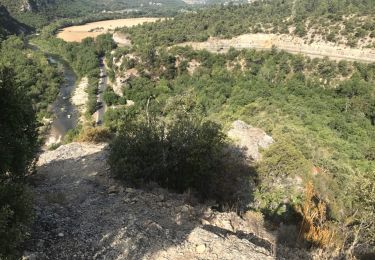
{"points": [[82, 214], [287, 43]]}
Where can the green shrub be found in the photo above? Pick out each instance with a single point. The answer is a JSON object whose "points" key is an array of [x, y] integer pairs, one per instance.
{"points": [[110, 97], [18, 143], [282, 172], [187, 154], [15, 216]]}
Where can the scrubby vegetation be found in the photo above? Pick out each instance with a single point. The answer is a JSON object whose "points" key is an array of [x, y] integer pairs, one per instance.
{"points": [[184, 155], [320, 112], [38, 13], [39, 78], [349, 22], [18, 143], [83, 58]]}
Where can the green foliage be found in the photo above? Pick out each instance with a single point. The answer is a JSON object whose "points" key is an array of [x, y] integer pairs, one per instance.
{"points": [[283, 160], [18, 143], [330, 118], [363, 191], [110, 97], [9, 25], [262, 16], [44, 11], [187, 154], [95, 135], [281, 168], [83, 57], [72, 135], [39, 78]]}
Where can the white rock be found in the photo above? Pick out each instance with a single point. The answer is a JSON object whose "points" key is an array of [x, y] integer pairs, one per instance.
{"points": [[200, 249], [250, 138]]}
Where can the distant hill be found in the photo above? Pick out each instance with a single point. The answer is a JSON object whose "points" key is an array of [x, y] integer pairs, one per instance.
{"points": [[9, 25], [208, 2], [37, 13]]}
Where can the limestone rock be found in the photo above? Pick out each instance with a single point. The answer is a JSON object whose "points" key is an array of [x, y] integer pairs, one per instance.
{"points": [[250, 138], [200, 249]]}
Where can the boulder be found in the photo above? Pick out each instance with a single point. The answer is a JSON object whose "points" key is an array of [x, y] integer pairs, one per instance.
{"points": [[250, 138]]}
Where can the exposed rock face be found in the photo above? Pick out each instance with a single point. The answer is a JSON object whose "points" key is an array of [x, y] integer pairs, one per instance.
{"points": [[26, 6], [82, 213], [250, 138], [288, 43]]}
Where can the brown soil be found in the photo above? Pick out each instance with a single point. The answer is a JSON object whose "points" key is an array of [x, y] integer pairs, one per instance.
{"points": [[80, 32]]}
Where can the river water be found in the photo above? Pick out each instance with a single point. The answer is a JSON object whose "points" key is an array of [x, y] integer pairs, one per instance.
{"points": [[65, 115]]}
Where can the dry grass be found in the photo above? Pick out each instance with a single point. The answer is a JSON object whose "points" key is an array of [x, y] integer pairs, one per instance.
{"points": [[80, 32], [314, 226], [95, 135]]}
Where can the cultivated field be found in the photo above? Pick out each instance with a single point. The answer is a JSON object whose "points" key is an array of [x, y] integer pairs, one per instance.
{"points": [[80, 32]]}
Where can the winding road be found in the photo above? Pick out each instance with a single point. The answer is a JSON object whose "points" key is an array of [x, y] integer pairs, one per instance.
{"points": [[103, 82]]}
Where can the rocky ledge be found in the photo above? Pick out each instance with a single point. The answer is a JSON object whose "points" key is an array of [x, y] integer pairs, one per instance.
{"points": [[83, 213]]}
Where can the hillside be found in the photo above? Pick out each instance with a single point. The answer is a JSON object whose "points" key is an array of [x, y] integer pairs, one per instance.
{"points": [[222, 132], [38, 13], [351, 24], [81, 212], [9, 25]]}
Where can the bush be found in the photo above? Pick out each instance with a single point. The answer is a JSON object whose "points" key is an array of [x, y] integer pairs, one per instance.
{"points": [[187, 154], [282, 171], [15, 216], [95, 135], [18, 143]]}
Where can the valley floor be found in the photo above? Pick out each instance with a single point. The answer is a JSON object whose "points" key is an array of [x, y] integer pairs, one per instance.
{"points": [[82, 214]]}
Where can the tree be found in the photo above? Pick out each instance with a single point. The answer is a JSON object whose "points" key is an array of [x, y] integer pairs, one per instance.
{"points": [[18, 143], [186, 154]]}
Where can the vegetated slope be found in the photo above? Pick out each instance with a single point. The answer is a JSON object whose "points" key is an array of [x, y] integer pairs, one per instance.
{"points": [[38, 12], [320, 113], [351, 23], [207, 2], [40, 80], [9, 25]]}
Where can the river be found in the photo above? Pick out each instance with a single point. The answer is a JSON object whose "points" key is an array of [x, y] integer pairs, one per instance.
{"points": [[65, 114]]}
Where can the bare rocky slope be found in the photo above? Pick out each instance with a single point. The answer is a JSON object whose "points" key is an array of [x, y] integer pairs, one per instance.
{"points": [[82, 213], [288, 43]]}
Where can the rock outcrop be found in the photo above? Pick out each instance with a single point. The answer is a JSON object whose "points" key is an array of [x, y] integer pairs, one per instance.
{"points": [[250, 138]]}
